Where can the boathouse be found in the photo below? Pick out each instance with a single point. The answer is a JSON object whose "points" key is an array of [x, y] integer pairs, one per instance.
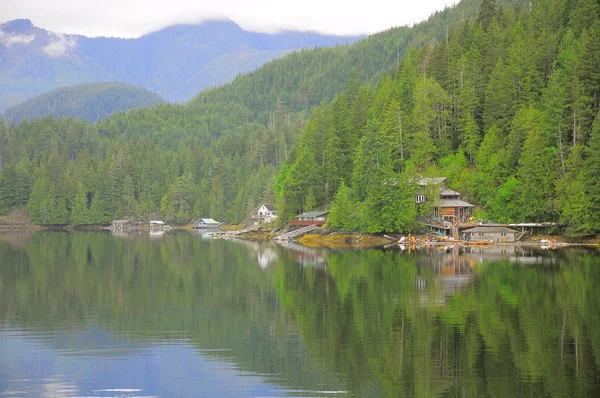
{"points": [[157, 225], [311, 218], [122, 225], [494, 232], [208, 223]]}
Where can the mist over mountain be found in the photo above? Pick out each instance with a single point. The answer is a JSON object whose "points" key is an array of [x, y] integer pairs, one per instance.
{"points": [[176, 62]]}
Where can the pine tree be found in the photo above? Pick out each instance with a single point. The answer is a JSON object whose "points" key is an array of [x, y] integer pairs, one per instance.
{"points": [[340, 215], [488, 11], [80, 213], [128, 196], [537, 174], [591, 172], [310, 202], [571, 202]]}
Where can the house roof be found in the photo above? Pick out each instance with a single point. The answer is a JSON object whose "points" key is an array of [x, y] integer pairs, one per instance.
{"points": [[157, 222], [454, 203], [121, 221], [208, 221], [448, 192], [484, 228], [432, 180], [312, 214], [269, 207]]}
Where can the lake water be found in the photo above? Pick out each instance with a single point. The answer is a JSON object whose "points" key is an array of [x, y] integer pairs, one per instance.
{"points": [[175, 315]]}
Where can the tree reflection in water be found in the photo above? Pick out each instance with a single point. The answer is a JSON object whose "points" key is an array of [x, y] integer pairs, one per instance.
{"points": [[441, 321]]}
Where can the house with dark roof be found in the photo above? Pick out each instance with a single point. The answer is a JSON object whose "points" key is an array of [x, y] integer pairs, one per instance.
{"points": [[492, 232], [266, 213], [317, 218], [122, 225], [448, 207]]}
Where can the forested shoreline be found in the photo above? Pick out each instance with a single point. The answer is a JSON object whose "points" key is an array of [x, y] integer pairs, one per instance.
{"points": [[504, 103]]}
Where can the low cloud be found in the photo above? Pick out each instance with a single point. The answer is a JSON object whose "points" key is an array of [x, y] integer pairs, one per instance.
{"points": [[8, 39], [59, 45]]}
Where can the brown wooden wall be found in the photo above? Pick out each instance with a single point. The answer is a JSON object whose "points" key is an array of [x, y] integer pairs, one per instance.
{"points": [[448, 211]]}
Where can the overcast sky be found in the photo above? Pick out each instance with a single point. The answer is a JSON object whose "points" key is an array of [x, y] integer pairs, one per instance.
{"points": [[132, 18]]}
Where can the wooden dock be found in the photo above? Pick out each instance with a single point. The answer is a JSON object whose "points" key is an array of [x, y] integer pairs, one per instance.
{"points": [[297, 232]]}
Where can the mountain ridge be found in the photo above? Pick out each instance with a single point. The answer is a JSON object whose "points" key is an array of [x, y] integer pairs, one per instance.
{"points": [[87, 101], [169, 61]]}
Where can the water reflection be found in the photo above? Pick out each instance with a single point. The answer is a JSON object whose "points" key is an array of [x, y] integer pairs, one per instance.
{"points": [[95, 314]]}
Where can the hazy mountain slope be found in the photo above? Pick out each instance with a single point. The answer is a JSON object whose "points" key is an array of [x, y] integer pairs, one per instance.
{"points": [[90, 102], [305, 78], [168, 62]]}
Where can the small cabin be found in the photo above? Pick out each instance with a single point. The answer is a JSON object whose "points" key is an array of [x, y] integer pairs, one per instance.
{"points": [[311, 218], [266, 213], [490, 233], [157, 225], [121, 225], [208, 223]]}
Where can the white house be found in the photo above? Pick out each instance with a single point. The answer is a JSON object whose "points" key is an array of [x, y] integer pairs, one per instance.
{"points": [[157, 225], [266, 213]]}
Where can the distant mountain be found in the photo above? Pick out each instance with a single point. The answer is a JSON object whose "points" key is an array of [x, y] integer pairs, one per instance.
{"points": [[176, 62], [89, 102]]}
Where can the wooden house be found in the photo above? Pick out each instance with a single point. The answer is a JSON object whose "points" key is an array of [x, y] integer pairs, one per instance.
{"points": [[448, 207], [493, 232], [266, 214], [311, 218]]}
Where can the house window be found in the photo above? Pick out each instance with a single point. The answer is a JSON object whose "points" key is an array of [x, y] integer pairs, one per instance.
{"points": [[420, 199], [481, 234], [503, 234]]}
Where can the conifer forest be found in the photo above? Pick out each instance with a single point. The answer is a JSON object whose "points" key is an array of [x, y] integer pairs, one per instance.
{"points": [[501, 97]]}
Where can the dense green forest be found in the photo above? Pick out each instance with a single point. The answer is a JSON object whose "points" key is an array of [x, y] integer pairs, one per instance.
{"points": [[89, 102], [500, 99], [216, 156], [506, 106]]}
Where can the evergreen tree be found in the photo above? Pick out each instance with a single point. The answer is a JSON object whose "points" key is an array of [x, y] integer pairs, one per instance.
{"points": [[537, 173], [591, 172], [571, 202], [487, 13], [310, 201], [79, 213], [340, 215]]}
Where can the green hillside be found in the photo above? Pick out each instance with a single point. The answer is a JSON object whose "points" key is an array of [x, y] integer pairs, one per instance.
{"points": [[506, 107], [487, 97], [89, 102]]}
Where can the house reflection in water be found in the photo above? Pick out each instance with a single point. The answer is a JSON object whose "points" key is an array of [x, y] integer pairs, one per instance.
{"points": [[304, 255], [268, 253], [441, 274], [444, 271], [267, 256]]}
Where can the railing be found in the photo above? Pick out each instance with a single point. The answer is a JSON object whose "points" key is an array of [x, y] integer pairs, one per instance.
{"points": [[297, 232], [306, 223], [433, 220], [242, 231]]}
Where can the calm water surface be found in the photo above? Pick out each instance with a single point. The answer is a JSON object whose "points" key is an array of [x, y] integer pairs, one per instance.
{"points": [[175, 315]]}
